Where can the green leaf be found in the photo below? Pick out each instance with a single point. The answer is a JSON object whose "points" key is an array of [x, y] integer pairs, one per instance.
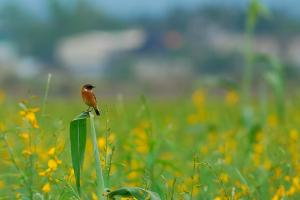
{"points": [[136, 192], [78, 140]]}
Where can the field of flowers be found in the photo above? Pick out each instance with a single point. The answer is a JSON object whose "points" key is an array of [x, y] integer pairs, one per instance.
{"points": [[194, 148]]}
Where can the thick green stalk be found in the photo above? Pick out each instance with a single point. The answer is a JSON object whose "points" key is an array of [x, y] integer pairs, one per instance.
{"points": [[99, 175]]}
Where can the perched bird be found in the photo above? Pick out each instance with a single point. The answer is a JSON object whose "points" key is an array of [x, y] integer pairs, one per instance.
{"points": [[89, 98]]}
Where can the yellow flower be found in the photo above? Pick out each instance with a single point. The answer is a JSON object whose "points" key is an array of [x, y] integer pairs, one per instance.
{"points": [[267, 164], [52, 165], [279, 193], [203, 150], [101, 143], [46, 188], [18, 195], [27, 152], [112, 137], [192, 119], [232, 98], [294, 134], [199, 98], [24, 135], [258, 148], [57, 160], [133, 175], [224, 178], [272, 121], [296, 182], [1, 184], [43, 173], [71, 173], [51, 151], [291, 191], [29, 114], [94, 196], [2, 127]]}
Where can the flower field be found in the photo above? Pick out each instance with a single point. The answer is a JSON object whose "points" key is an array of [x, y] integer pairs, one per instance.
{"points": [[198, 147]]}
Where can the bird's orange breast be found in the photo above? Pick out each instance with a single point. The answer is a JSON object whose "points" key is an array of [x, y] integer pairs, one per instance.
{"points": [[89, 98]]}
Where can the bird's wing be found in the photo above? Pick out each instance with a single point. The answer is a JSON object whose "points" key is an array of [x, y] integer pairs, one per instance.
{"points": [[94, 96]]}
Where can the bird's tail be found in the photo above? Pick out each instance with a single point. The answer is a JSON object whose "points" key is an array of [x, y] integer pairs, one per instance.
{"points": [[97, 111]]}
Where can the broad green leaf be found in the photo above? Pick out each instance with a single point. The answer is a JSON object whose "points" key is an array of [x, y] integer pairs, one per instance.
{"points": [[136, 192], [78, 140]]}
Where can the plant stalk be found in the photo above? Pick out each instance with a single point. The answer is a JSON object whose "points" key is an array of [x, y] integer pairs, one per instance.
{"points": [[46, 94], [99, 175]]}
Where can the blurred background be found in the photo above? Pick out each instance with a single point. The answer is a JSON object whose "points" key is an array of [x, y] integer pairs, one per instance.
{"points": [[163, 48]]}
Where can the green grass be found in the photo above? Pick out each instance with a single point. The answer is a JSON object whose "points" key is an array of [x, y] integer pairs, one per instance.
{"points": [[193, 148]]}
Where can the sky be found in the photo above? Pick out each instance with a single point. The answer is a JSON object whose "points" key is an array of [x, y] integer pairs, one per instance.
{"points": [[157, 8]]}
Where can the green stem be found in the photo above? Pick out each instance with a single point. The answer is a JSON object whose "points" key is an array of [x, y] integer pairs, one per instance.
{"points": [[46, 94], [99, 175]]}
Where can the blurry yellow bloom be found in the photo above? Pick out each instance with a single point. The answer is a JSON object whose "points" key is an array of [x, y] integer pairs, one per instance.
{"points": [[140, 133], [57, 160], [296, 182], [217, 198], [51, 151], [294, 134], [141, 140], [94, 196], [278, 172], [199, 98], [258, 148], [167, 156], [27, 152], [101, 143], [2, 96], [259, 136], [133, 175], [267, 164], [112, 137], [228, 159], [46, 188], [245, 189], [29, 114], [192, 119], [24, 135], [2, 127], [1, 184], [145, 124], [204, 150], [272, 121], [135, 164], [43, 173], [291, 191], [279, 193], [71, 172], [232, 98], [18, 195], [143, 149], [224, 177], [52, 165]]}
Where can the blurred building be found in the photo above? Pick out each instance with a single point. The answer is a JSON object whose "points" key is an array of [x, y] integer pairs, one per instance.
{"points": [[89, 52]]}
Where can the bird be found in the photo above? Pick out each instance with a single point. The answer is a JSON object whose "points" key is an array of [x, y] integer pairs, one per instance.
{"points": [[89, 98]]}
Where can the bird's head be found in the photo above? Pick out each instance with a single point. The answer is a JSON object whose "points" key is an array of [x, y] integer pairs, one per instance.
{"points": [[88, 87]]}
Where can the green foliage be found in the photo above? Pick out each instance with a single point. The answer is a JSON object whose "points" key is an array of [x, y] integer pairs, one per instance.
{"points": [[78, 143], [136, 192]]}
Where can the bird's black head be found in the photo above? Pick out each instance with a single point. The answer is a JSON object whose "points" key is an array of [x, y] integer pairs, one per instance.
{"points": [[88, 86]]}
